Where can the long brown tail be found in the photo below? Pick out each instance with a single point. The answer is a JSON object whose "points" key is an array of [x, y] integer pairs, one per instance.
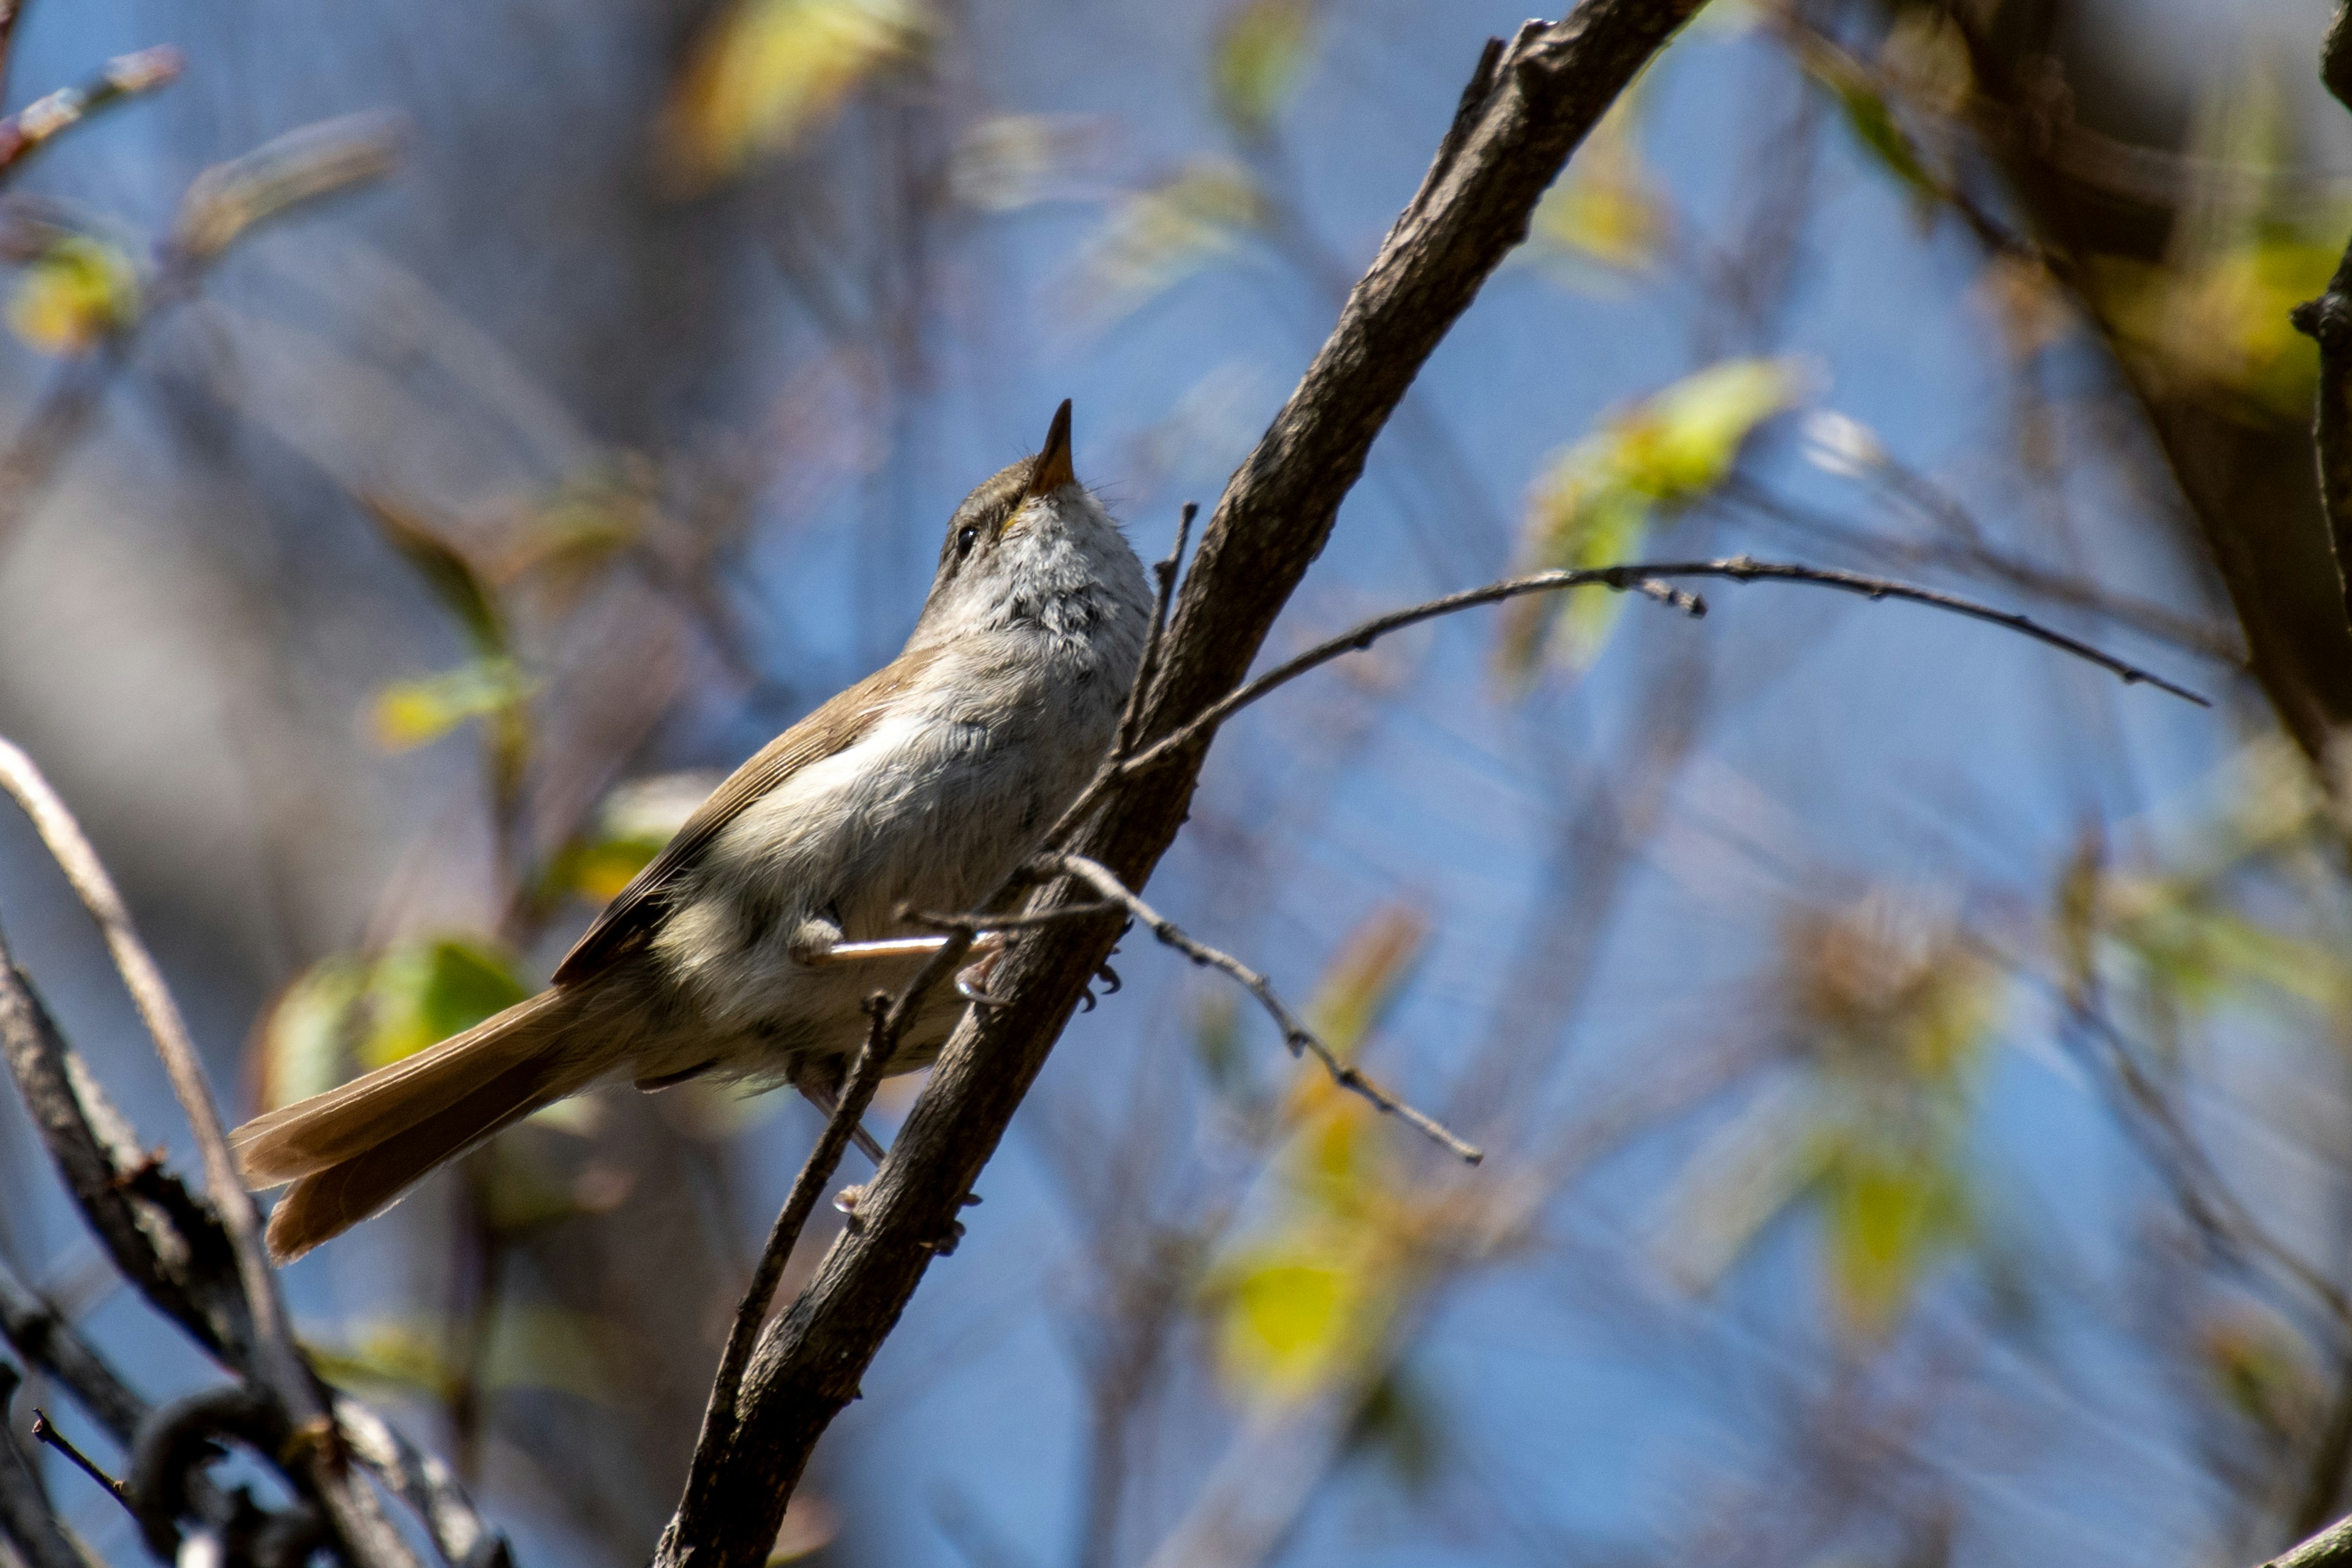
{"points": [[352, 1150]]}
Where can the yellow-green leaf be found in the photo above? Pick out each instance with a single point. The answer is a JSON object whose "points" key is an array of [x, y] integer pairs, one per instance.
{"points": [[410, 713], [766, 74], [452, 577], [1889, 1211], [305, 1042], [1286, 1325], [424, 993], [75, 295], [1262, 49], [1603, 212], [631, 827], [1862, 99], [1594, 504]]}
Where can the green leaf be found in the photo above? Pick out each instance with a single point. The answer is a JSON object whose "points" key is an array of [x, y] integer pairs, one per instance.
{"points": [[1286, 1325], [767, 73], [1263, 47], [1603, 212], [454, 579], [305, 1042], [1596, 502], [75, 295], [1868, 114], [1156, 237], [410, 713], [424, 993], [1889, 1210], [632, 825]]}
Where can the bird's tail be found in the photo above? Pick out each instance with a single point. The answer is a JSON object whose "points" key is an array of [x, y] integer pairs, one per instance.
{"points": [[352, 1150]]}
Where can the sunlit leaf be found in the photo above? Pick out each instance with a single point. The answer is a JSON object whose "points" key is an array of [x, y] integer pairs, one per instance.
{"points": [[1863, 101], [74, 295], [1156, 237], [452, 577], [1594, 506], [300, 166], [1889, 1210], [766, 74], [428, 992], [305, 1042], [389, 1353], [1603, 213], [1374, 963], [1288, 1324], [410, 713], [2219, 324], [1262, 48], [632, 825], [1013, 161]]}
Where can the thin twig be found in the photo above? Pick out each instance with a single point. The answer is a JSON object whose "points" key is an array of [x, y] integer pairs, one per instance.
{"points": [[1736, 568], [45, 118], [277, 1365], [46, 1431], [978, 923], [1164, 573], [282, 1367], [1294, 1034]]}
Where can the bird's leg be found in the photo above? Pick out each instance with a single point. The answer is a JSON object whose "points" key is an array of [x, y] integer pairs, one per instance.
{"points": [[824, 1091]]}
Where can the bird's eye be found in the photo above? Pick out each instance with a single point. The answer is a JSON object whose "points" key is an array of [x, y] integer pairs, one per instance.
{"points": [[963, 540]]}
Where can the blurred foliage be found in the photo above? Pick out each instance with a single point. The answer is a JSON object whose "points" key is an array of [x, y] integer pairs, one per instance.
{"points": [[1893, 1010], [630, 827], [1596, 502], [767, 73], [229, 199], [74, 295], [1300, 1304], [1156, 237], [350, 1014], [1263, 49], [1604, 217]]}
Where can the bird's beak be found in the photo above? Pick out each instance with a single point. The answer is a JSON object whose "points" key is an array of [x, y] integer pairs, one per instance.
{"points": [[1051, 469]]}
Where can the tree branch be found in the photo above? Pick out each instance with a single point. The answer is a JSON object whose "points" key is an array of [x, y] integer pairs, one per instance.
{"points": [[1529, 106], [26, 1518], [2332, 1547], [1294, 1034]]}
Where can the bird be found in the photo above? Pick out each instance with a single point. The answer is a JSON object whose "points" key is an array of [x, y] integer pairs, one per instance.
{"points": [[746, 949]]}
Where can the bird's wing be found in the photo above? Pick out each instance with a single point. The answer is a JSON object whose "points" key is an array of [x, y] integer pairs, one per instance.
{"points": [[840, 724]]}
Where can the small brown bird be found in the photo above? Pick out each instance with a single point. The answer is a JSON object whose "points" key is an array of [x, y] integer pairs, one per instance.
{"points": [[745, 949]]}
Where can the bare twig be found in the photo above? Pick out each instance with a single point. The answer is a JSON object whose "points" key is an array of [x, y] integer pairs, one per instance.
{"points": [[460, 1535], [44, 119], [277, 1367], [1295, 1033], [1641, 577], [45, 1339], [275, 1359], [27, 1521], [46, 1431], [1164, 573], [2331, 1548]]}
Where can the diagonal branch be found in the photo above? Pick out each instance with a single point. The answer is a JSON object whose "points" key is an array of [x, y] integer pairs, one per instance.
{"points": [[1294, 1034], [1530, 105]]}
